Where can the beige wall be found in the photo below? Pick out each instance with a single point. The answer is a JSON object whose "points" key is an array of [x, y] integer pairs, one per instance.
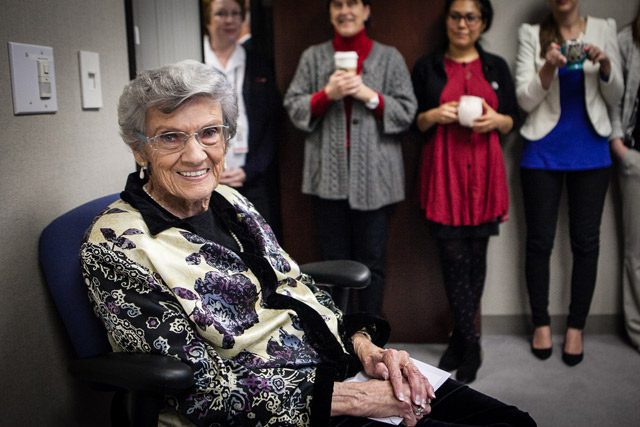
{"points": [[51, 163]]}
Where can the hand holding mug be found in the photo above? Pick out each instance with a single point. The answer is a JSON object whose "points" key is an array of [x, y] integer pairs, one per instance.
{"points": [[446, 113], [489, 121], [598, 56], [554, 56], [341, 84]]}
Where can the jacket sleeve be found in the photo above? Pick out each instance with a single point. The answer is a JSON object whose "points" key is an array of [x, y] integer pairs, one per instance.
{"points": [[399, 100], [297, 99], [613, 88], [529, 90], [616, 112], [142, 315]]}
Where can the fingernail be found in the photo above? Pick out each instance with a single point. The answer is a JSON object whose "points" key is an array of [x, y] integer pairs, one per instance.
{"points": [[401, 397], [418, 401]]}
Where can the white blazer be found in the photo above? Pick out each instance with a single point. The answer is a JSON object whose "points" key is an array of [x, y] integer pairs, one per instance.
{"points": [[543, 106]]}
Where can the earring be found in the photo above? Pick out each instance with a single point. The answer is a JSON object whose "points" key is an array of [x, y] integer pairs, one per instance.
{"points": [[143, 170]]}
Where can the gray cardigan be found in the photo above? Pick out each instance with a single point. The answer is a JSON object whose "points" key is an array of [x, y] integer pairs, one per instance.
{"points": [[630, 55], [372, 174]]}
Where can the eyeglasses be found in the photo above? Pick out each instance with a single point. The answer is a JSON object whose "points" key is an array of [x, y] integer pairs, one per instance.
{"points": [[471, 19], [223, 14], [173, 142]]}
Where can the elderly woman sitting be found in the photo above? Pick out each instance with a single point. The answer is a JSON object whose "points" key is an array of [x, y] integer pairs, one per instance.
{"points": [[185, 267]]}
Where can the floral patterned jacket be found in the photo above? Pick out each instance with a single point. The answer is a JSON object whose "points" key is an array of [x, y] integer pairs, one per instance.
{"points": [[264, 342]]}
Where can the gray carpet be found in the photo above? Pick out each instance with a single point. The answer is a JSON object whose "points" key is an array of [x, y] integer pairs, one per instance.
{"points": [[603, 390]]}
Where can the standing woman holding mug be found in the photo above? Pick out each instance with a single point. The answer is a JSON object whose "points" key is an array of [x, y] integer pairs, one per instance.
{"points": [[463, 187], [567, 80], [353, 117]]}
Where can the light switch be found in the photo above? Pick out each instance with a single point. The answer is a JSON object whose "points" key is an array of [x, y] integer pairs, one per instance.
{"points": [[33, 79], [90, 79]]}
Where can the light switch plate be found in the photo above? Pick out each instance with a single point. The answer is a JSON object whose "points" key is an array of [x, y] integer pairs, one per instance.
{"points": [[25, 82], [90, 79]]}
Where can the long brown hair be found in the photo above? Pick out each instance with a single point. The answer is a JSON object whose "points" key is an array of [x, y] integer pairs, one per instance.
{"points": [[549, 33]]}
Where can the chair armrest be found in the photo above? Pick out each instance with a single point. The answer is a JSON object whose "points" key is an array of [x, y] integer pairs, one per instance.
{"points": [[342, 273], [135, 371]]}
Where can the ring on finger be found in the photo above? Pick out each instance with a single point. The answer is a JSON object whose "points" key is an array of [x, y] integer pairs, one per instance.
{"points": [[418, 410]]}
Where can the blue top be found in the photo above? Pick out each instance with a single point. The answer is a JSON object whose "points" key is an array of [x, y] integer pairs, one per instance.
{"points": [[573, 144]]}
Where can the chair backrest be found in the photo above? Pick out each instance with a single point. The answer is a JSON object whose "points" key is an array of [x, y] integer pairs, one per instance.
{"points": [[59, 251]]}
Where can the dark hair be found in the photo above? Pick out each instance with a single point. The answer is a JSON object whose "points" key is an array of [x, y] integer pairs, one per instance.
{"points": [[486, 10], [205, 7]]}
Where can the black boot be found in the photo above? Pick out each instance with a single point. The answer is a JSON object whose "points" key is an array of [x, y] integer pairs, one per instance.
{"points": [[471, 361], [452, 356]]}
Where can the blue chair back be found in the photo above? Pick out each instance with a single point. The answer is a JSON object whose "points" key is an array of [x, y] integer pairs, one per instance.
{"points": [[59, 254]]}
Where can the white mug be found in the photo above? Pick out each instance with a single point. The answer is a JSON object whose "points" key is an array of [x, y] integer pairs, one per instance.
{"points": [[469, 109], [347, 61]]}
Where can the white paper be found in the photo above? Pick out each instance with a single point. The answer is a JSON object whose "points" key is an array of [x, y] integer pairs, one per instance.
{"points": [[435, 376]]}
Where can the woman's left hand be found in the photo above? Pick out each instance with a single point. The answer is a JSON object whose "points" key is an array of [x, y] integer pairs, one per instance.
{"points": [[597, 55], [394, 365], [491, 120]]}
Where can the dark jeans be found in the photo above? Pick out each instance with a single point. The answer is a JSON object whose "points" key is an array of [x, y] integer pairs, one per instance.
{"points": [[586, 192], [345, 233], [457, 405]]}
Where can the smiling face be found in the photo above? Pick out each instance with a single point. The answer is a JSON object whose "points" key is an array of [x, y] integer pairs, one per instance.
{"points": [[182, 182], [348, 16], [225, 23], [464, 24]]}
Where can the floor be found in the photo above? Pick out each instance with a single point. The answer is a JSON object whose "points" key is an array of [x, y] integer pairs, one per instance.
{"points": [[603, 390]]}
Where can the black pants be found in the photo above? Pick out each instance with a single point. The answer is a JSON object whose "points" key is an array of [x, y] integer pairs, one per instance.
{"points": [[586, 192], [457, 405], [345, 233]]}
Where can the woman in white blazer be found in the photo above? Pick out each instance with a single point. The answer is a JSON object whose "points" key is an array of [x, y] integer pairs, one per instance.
{"points": [[626, 146], [566, 137]]}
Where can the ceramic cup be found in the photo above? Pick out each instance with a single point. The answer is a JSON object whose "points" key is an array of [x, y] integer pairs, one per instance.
{"points": [[469, 109], [573, 50], [347, 61]]}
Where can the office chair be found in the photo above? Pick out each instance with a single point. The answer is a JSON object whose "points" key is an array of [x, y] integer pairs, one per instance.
{"points": [[140, 381]]}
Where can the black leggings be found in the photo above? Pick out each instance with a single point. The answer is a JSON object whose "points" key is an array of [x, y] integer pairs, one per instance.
{"points": [[464, 268], [457, 405]]}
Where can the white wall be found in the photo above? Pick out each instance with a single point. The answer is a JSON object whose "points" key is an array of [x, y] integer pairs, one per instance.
{"points": [[505, 290]]}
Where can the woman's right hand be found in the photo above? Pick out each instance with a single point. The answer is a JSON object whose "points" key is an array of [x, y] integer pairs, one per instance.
{"points": [[554, 56], [373, 398], [442, 115], [554, 59], [342, 84]]}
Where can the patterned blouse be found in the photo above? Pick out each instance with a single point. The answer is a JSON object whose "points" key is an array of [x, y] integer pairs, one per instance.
{"points": [[264, 342]]}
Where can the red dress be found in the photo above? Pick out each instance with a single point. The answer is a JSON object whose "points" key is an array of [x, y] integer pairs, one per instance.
{"points": [[462, 175]]}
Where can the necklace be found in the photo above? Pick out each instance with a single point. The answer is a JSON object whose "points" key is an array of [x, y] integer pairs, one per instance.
{"points": [[237, 240]]}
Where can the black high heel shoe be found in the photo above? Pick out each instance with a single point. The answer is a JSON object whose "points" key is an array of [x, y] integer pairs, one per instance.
{"points": [[541, 353], [572, 359]]}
